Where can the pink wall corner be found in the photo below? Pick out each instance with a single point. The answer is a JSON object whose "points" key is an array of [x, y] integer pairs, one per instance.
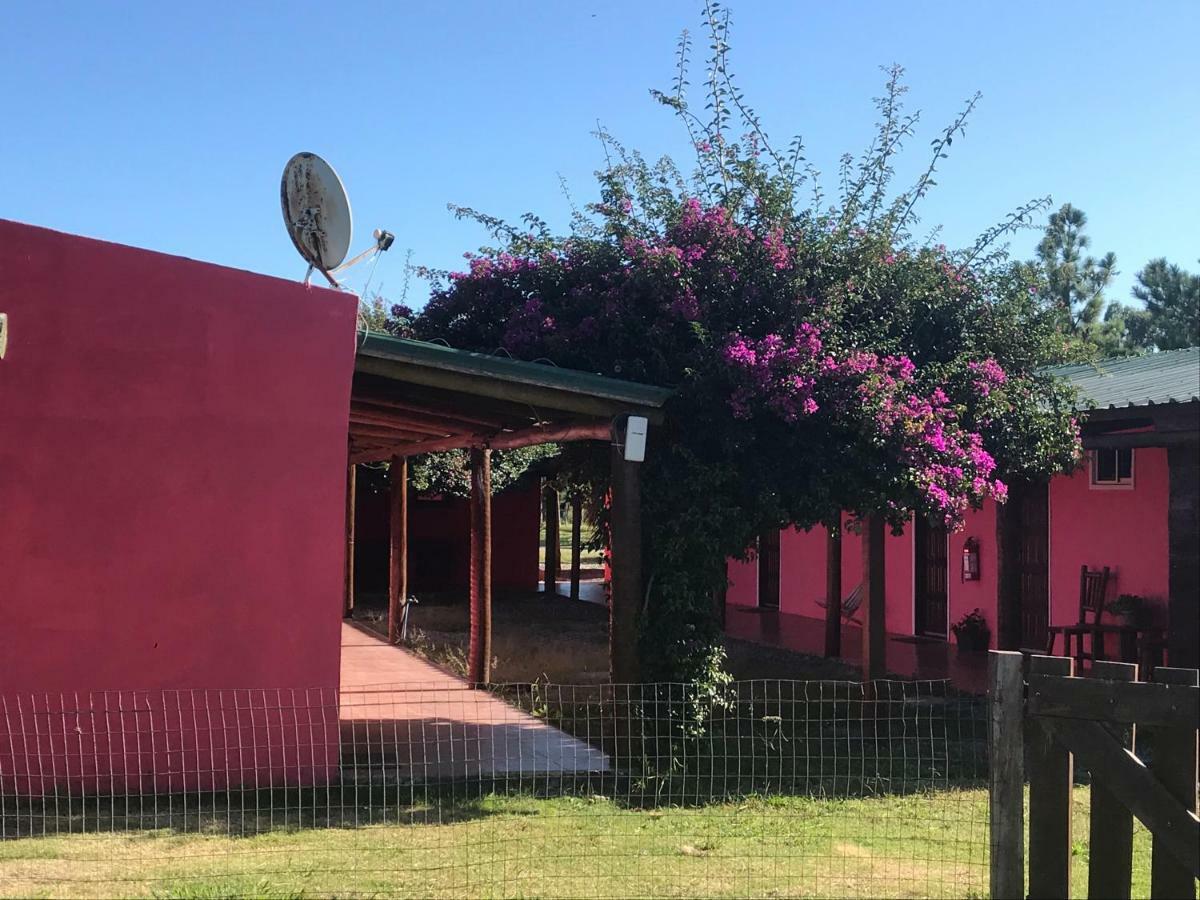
{"points": [[174, 450], [743, 582], [1124, 529], [966, 596], [802, 571]]}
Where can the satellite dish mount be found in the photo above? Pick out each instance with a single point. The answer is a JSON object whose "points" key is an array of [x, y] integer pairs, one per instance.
{"points": [[316, 212]]}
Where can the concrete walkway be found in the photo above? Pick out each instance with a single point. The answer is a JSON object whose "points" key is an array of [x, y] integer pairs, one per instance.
{"points": [[403, 718]]}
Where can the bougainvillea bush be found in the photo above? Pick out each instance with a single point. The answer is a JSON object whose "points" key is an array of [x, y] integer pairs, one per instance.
{"points": [[823, 358]]}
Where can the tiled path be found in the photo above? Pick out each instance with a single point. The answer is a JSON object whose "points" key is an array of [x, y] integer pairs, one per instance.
{"points": [[403, 717]]}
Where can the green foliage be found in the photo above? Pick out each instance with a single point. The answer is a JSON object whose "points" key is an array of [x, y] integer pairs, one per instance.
{"points": [[1075, 282], [1171, 295], [799, 335], [450, 472]]}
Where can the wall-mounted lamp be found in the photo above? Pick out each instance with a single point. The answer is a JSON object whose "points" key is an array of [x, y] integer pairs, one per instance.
{"points": [[970, 560]]}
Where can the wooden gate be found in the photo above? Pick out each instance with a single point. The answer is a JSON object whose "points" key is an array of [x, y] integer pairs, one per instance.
{"points": [[1052, 719]]}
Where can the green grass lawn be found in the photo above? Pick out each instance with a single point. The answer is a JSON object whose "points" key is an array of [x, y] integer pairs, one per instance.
{"points": [[588, 559], [916, 846]]}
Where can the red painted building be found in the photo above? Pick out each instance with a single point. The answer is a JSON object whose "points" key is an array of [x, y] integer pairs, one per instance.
{"points": [[1132, 508], [176, 533], [438, 539], [172, 452]]}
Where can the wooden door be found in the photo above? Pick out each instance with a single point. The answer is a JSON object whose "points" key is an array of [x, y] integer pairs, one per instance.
{"points": [[931, 573], [1034, 563], [768, 570]]}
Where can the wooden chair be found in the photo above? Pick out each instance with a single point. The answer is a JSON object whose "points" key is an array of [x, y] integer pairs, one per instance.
{"points": [[1093, 587], [850, 603]]}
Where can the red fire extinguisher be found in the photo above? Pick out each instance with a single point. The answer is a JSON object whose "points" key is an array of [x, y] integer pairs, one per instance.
{"points": [[970, 560]]}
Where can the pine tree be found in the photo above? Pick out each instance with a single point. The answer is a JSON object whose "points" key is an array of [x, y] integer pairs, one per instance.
{"points": [[1076, 282], [1172, 299]]}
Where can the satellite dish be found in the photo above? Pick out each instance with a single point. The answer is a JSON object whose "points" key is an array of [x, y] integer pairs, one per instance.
{"points": [[316, 212]]}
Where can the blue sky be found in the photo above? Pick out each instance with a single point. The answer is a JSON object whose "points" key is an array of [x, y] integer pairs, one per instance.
{"points": [[167, 125]]}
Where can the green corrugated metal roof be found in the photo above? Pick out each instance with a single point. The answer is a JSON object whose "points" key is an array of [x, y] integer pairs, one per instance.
{"points": [[1170, 376], [437, 356]]}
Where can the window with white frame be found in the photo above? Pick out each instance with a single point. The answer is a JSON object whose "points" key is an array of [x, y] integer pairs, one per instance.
{"points": [[1112, 468]]}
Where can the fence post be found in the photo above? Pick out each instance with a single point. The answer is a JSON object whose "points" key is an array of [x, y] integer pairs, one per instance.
{"points": [[1110, 833], [1051, 774], [1006, 784], [1174, 765]]}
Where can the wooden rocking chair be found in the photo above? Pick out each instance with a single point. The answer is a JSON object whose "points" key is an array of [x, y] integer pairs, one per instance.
{"points": [[1093, 587], [850, 604]]}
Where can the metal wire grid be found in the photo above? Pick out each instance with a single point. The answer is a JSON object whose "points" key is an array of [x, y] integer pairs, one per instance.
{"points": [[765, 788]]}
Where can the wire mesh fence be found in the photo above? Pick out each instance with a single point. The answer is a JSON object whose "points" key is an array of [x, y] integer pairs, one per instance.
{"points": [[760, 788]]}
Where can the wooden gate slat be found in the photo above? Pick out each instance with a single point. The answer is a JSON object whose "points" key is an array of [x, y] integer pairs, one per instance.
{"points": [[1172, 705], [1174, 764], [1007, 785], [1050, 779], [1110, 831], [1174, 826]]}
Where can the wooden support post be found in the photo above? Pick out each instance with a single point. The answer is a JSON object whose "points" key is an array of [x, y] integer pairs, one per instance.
{"points": [[553, 566], [626, 597], [576, 540], [1008, 570], [874, 622], [479, 656], [1110, 832], [1051, 773], [1183, 554], [1006, 788], [348, 594], [1175, 766], [397, 544], [833, 589]]}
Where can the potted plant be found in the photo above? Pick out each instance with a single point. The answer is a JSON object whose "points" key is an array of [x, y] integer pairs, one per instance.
{"points": [[971, 632], [1131, 609]]}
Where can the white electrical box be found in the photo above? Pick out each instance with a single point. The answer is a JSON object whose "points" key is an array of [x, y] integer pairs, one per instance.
{"points": [[635, 439]]}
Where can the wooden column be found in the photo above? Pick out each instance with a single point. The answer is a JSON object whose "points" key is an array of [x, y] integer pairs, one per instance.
{"points": [[397, 544], [1183, 542], [553, 562], [576, 540], [626, 599], [1008, 570], [348, 594], [833, 589], [874, 622], [479, 654]]}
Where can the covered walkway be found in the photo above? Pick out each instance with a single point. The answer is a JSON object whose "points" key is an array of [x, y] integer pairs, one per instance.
{"points": [[908, 657], [411, 398], [404, 719]]}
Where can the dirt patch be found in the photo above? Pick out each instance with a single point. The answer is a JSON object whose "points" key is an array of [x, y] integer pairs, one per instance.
{"points": [[564, 641]]}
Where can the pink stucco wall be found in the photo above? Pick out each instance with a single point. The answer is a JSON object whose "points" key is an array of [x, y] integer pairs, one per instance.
{"points": [[1124, 529], [802, 575], [966, 596], [173, 449], [743, 582]]}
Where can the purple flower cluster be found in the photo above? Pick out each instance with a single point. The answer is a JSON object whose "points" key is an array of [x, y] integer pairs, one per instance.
{"points": [[795, 377], [779, 372], [988, 375], [527, 326]]}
